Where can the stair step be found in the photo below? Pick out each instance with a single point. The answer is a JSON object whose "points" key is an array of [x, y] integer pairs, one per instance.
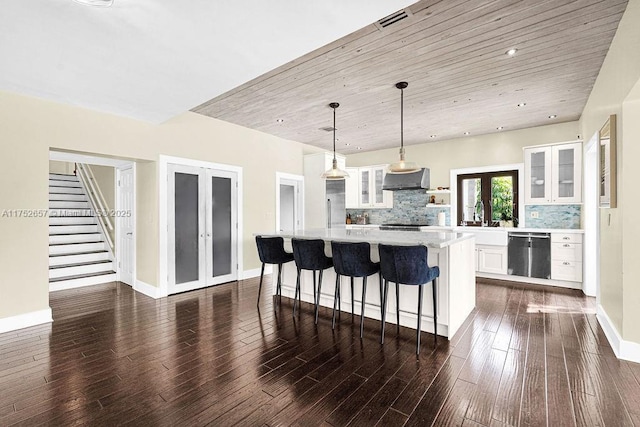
{"points": [[69, 204], [81, 280], [65, 190], [71, 270], [66, 259], [72, 229], [76, 248], [60, 239], [64, 183], [70, 220], [60, 197], [63, 177]]}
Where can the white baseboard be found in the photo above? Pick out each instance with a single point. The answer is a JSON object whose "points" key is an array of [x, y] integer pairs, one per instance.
{"points": [[626, 350], [147, 289], [25, 320], [248, 274]]}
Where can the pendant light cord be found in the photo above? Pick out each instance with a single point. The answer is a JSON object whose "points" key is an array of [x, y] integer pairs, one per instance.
{"points": [[401, 118], [334, 133]]}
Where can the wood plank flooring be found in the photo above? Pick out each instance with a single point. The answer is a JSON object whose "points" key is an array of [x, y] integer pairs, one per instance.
{"points": [[527, 356]]}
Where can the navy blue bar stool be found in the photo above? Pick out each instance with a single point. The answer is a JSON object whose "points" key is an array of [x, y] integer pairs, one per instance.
{"points": [[271, 251], [309, 255], [408, 265], [353, 260]]}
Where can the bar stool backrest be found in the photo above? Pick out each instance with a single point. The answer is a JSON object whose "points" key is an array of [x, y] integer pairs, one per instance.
{"points": [[309, 254], [405, 264], [353, 259], [271, 250]]}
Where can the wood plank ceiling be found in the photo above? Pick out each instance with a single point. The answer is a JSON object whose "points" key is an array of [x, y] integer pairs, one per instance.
{"points": [[453, 54]]}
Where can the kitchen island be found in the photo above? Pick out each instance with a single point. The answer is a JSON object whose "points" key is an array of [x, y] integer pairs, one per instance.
{"points": [[452, 252]]}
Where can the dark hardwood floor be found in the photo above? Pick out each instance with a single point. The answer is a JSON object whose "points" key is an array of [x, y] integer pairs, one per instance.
{"points": [[526, 356]]}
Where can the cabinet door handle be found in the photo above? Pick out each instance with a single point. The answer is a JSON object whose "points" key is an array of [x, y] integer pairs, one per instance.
{"points": [[566, 238], [566, 245], [566, 263]]}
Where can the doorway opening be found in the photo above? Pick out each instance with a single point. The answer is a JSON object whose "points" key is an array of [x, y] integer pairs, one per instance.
{"points": [[289, 202]]}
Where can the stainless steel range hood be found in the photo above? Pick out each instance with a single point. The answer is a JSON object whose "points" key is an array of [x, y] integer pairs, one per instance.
{"points": [[407, 181]]}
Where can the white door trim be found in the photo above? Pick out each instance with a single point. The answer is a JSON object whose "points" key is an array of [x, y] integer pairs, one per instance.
{"points": [[591, 264], [281, 177], [118, 170], [163, 220]]}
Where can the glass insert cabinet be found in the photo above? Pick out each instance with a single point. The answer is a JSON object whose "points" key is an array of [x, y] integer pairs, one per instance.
{"points": [[553, 174]]}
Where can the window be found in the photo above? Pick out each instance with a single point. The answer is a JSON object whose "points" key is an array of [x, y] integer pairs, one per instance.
{"points": [[490, 197]]}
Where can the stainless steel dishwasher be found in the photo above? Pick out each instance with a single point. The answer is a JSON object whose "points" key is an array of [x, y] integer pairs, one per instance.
{"points": [[530, 255]]}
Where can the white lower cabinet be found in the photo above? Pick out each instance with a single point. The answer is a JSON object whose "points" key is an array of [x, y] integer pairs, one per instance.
{"points": [[491, 259], [566, 257]]}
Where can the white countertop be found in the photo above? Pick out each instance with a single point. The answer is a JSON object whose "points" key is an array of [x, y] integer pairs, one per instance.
{"points": [[430, 239], [460, 229]]}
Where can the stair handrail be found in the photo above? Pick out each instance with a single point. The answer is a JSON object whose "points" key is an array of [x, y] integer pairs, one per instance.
{"points": [[97, 200]]}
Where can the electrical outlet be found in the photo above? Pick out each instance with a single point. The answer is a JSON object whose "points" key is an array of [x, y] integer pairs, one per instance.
{"points": [[534, 214]]}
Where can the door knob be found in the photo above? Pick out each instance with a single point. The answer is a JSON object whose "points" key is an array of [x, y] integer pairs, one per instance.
{"points": [[130, 233]]}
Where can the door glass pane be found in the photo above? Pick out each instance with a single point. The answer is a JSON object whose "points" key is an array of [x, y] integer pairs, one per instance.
{"points": [[471, 199], [364, 187], [221, 225], [537, 174], [501, 198], [378, 177], [565, 173], [186, 227]]}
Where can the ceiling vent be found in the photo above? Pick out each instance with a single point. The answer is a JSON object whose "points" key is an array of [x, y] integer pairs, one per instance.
{"points": [[328, 129], [393, 18]]}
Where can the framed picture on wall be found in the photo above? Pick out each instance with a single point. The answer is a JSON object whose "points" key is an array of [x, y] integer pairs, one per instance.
{"points": [[607, 187]]}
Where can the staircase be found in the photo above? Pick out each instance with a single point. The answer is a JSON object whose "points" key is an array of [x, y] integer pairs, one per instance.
{"points": [[78, 253]]}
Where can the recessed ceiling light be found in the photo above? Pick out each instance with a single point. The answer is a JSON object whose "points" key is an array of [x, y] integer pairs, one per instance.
{"points": [[553, 116], [511, 51], [500, 127], [467, 133], [359, 148], [279, 120], [522, 104], [433, 136], [347, 144]]}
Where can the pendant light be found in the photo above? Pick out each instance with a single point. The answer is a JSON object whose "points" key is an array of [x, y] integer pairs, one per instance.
{"points": [[402, 166], [334, 172]]}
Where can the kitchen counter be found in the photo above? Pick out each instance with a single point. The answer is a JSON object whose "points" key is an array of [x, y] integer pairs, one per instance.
{"points": [[452, 252]]}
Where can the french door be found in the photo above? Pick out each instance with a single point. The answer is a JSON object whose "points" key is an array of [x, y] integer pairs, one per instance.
{"points": [[203, 233]]}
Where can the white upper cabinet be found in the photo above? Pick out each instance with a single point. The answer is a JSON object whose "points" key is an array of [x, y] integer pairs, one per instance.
{"points": [[553, 174], [364, 188], [371, 194], [352, 192]]}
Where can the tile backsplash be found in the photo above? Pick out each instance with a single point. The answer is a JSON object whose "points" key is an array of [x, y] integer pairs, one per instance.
{"points": [[553, 216], [408, 208]]}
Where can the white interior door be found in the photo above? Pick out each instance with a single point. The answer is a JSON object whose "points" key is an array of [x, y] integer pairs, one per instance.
{"points": [[126, 225], [203, 227], [221, 226]]}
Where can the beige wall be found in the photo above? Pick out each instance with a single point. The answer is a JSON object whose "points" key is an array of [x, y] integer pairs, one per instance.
{"points": [[105, 178], [485, 150], [31, 127], [630, 224], [618, 75]]}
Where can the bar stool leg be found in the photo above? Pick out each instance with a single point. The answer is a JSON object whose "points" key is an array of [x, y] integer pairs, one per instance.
{"points": [[279, 289], [435, 313], [260, 287], [314, 285], [398, 308], [419, 317], [381, 292], [364, 293], [318, 297], [335, 299], [295, 297], [352, 297], [384, 309]]}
